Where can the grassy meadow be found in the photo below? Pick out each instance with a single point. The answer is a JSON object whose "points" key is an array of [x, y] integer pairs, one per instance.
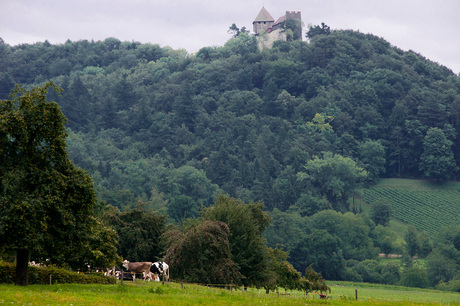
{"points": [[152, 293]]}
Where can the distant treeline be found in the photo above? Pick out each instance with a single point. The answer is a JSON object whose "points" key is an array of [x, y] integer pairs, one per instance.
{"points": [[174, 129], [297, 127]]}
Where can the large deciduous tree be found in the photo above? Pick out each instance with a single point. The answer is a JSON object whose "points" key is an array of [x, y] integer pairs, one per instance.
{"points": [[139, 232], [46, 203], [381, 212], [335, 177], [372, 157], [437, 158], [412, 241], [283, 274], [202, 254], [246, 222]]}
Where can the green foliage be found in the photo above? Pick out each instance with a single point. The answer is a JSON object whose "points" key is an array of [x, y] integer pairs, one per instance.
{"points": [[335, 176], [426, 245], [437, 158], [372, 271], [381, 212], [285, 229], [159, 125], [369, 270], [138, 232], [372, 156], [319, 123], [309, 204], [235, 31], [428, 210], [406, 260], [41, 276], [247, 223], [318, 30], [387, 246], [412, 241], [100, 250], [283, 273], [182, 207], [326, 239], [440, 268], [46, 203], [414, 277], [138, 111], [313, 281], [202, 254], [292, 29], [453, 285]]}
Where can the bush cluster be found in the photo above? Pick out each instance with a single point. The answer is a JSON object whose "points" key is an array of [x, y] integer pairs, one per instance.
{"points": [[41, 276]]}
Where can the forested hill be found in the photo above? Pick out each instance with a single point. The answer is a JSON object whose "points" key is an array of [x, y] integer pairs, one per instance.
{"points": [[176, 129]]}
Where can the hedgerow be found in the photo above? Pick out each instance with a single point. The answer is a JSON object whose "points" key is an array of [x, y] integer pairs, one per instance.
{"points": [[41, 276]]}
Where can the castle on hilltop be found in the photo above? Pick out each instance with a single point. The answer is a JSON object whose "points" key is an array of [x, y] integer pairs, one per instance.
{"points": [[268, 30]]}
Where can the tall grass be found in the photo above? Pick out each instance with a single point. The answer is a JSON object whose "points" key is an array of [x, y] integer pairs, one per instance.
{"points": [[151, 293]]}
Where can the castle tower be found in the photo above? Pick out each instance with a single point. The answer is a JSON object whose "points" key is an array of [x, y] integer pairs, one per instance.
{"points": [[263, 21], [295, 15]]}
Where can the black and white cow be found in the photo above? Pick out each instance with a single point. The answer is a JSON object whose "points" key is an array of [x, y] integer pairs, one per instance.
{"points": [[159, 268]]}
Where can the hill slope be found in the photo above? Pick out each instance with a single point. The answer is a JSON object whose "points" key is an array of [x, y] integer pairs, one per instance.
{"points": [[157, 124], [427, 205]]}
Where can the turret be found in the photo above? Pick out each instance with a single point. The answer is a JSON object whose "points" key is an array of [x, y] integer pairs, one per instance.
{"points": [[295, 15], [263, 21]]}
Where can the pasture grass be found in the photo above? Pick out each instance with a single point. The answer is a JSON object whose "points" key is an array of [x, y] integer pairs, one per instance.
{"points": [[388, 293], [152, 293]]}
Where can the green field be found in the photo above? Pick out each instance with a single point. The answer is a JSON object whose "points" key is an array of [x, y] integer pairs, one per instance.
{"points": [[427, 205], [144, 293]]}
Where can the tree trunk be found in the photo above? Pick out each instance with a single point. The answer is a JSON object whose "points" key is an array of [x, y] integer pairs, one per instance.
{"points": [[22, 267]]}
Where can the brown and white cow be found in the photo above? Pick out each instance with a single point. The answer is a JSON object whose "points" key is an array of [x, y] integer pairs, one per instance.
{"points": [[137, 267]]}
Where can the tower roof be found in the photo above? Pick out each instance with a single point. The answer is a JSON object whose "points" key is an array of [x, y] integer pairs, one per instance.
{"points": [[264, 15]]}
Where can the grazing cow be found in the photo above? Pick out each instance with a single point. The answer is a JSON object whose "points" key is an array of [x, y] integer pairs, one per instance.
{"points": [[158, 268], [150, 276], [110, 271], [117, 274], [137, 267]]}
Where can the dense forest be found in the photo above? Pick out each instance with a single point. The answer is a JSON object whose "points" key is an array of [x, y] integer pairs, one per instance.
{"points": [[297, 127]]}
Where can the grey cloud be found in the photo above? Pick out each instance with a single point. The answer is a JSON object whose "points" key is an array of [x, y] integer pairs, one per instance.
{"points": [[427, 27]]}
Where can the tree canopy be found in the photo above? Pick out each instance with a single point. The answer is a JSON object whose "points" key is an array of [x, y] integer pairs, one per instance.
{"points": [[335, 176], [318, 30], [46, 202], [246, 223], [175, 130], [202, 254]]}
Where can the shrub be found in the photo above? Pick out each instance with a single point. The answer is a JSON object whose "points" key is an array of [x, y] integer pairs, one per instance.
{"points": [[369, 270], [391, 273], [41, 276], [453, 285], [351, 275], [414, 277]]}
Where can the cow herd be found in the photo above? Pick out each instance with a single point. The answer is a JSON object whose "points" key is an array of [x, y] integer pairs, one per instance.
{"points": [[150, 271]]}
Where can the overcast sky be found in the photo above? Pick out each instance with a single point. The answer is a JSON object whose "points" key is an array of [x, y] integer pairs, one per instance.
{"points": [[430, 28]]}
